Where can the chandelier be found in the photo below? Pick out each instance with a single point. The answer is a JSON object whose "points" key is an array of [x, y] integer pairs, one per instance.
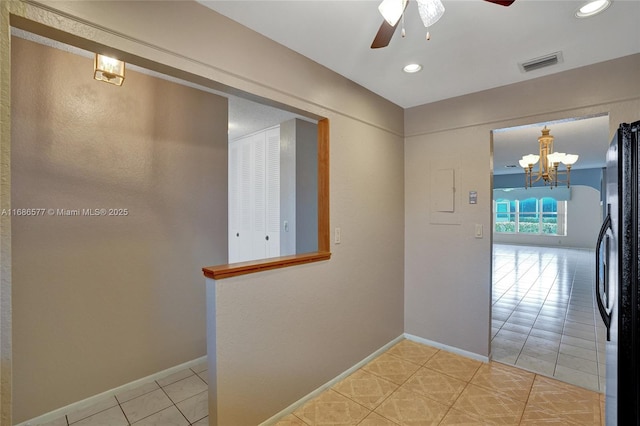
{"points": [[548, 170]]}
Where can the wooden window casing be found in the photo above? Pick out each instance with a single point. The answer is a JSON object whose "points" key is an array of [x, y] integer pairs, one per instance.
{"points": [[324, 253]]}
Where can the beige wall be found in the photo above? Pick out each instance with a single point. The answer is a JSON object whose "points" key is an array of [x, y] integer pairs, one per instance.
{"points": [[101, 301], [447, 270], [281, 334], [315, 320], [298, 187]]}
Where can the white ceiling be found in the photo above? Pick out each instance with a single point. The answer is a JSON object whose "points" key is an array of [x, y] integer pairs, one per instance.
{"points": [[475, 46]]}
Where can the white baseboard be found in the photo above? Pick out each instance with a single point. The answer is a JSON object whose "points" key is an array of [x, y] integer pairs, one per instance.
{"points": [[53, 415], [56, 414], [447, 348], [290, 409]]}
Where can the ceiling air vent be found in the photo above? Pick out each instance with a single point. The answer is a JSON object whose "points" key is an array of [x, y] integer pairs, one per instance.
{"points": [[543, 61]]}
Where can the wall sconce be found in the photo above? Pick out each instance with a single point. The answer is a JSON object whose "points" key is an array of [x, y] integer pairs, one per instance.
{"points": [[108, 69]]}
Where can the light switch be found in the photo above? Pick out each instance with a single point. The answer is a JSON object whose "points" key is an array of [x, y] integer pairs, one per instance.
{"points": [[478, 230], [336, 236], [473, 197]]}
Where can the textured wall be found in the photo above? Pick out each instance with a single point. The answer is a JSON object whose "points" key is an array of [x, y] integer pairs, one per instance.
{"points": [[288, 186], [314, 321], [100, 301], [298, 187], [5, 221], [283, 333], [447, 270], [306, 187]]}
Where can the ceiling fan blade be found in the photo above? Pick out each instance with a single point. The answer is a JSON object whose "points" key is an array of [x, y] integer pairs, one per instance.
{"points": [[501, 2], [383, 37]]}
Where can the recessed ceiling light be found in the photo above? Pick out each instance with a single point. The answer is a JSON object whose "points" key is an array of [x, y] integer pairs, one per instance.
{"points": [[411, 68], [592, 8]]}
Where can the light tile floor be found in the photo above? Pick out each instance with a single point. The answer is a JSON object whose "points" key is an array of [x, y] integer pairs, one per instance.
{"points": [[413, 384], [180, 399], [410, 384], [544, 315]]}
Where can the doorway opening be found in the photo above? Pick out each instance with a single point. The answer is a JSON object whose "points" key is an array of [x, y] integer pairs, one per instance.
{"points": [[544, 315]]}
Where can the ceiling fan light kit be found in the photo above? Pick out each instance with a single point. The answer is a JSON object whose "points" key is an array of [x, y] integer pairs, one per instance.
{"points": [[392, 10], [430, 12]]}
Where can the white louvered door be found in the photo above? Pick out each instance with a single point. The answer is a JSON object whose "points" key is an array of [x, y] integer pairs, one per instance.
{"points": [[254, 196], [272, 179]]}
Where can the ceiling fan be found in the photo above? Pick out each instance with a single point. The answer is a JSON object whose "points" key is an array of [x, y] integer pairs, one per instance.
{"points": [[393, 10]]}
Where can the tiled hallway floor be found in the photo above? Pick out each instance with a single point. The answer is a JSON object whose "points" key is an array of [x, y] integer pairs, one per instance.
{"points": [[544, 315], [180, 399], [410, 384], [413, 384]]}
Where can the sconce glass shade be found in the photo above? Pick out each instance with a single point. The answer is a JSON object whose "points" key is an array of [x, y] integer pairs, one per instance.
{"points": [[430, 11], [391, 10], [570, 159], [523, 163], [531, 159], [556, 157], [108, 69]]}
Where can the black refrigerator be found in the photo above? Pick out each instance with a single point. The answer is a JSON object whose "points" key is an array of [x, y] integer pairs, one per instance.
{"points": [[617, 269]]}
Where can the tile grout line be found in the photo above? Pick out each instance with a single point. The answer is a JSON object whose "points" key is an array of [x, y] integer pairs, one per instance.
{"points": [[399, 386], [578, 286], [123, 413], [537, 314], [526, 403], [460, 394], [573, 278], [573, 285]]}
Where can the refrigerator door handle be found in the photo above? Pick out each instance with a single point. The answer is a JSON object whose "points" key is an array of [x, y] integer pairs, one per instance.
{"points": [[605, 310]]}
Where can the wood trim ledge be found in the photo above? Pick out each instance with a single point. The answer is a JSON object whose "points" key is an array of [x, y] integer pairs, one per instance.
{"points": [[324, 240], [242, 268]]}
